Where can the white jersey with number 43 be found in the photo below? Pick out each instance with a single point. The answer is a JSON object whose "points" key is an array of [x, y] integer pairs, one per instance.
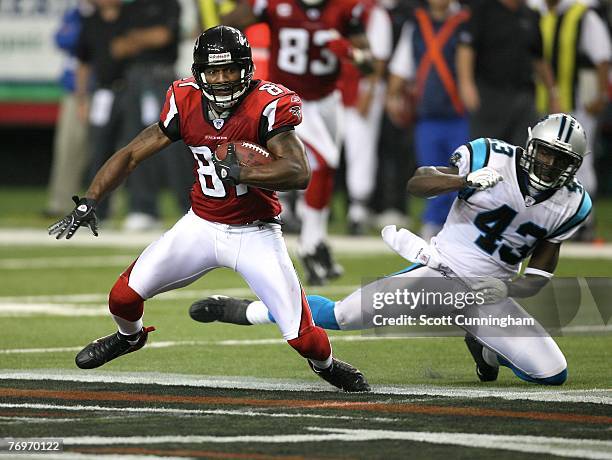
{"points": [[490, 232]]}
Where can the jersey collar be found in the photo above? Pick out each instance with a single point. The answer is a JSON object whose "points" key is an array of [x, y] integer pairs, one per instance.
{"points": [[231, 110]]}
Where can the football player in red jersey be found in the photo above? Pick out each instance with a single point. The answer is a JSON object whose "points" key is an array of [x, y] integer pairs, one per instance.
{"points": [[308, 40], [232, 222]]}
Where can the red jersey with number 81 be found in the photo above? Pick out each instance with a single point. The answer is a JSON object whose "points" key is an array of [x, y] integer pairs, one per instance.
{"points": [[266, 110], [299, 58]]}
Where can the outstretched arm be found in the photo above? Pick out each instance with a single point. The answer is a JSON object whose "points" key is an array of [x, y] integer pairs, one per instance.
{"points": [[431, 181], [148, 142], [110, 175]]}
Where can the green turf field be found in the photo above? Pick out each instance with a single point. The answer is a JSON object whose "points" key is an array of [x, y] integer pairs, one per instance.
{"points": [[223, 391]]}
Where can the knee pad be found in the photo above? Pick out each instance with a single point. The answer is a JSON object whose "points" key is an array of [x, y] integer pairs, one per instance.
{"points": [[313, 343], [124, 302]]}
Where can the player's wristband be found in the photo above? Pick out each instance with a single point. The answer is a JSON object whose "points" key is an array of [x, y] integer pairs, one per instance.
{"points": [[538, 272]]}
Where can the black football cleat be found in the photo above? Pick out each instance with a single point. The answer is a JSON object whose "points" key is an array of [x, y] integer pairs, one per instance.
{"points": [[220, 308], [105, 349], [356, 228], [484, 371], [344, 376], [315, 271], [332, 268]]}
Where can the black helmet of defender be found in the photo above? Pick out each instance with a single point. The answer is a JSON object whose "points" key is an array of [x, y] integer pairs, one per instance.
{"points": [[223, 45]]}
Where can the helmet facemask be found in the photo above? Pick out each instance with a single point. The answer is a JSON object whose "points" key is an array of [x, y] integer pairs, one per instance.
{"points": [[549, 167], [227, 94], [555, 149]]}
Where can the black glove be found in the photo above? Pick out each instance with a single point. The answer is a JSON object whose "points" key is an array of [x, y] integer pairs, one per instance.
{"points": [[228, 169], [83, 214]]}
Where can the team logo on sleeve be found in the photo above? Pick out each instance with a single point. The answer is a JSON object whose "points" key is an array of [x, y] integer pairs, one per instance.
{"points": [[455, 159], [296, 111]]}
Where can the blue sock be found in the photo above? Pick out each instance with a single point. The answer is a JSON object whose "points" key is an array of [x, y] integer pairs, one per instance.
{"points": [[323, 312], [557, 379]]}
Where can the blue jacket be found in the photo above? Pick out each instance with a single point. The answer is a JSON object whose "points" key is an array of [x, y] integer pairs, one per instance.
{"points": [[67, 38]]}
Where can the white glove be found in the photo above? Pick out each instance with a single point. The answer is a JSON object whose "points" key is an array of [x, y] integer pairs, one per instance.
{"points": [[408, 245], [483, 178], [491, 290]]}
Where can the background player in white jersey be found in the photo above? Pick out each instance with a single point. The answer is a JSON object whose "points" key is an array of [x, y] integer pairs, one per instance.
{"points": [[232, 222], [308, 41], [363, 98], [512, 204]]}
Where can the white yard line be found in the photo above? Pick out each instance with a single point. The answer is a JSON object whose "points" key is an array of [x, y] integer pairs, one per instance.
{"points": [[30, 263], [50, 309], [18, 420], [208, 343], [596, 396], [255, 342], [345, 245], [171, 295], [563, 447], [13, 351], [171, 411]]}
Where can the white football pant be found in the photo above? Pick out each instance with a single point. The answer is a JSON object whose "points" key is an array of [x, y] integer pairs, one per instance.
{"points": [[194, 246], [535, 353]]}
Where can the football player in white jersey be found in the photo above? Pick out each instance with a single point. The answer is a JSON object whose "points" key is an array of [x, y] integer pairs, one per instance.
{"points": [[512, 204]]}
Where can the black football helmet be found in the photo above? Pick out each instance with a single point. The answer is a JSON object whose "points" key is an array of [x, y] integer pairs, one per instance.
{"points": [[223, 45]]}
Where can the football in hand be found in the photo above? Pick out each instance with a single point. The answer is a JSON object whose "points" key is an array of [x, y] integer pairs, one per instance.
{"points": [[247, 153]]}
